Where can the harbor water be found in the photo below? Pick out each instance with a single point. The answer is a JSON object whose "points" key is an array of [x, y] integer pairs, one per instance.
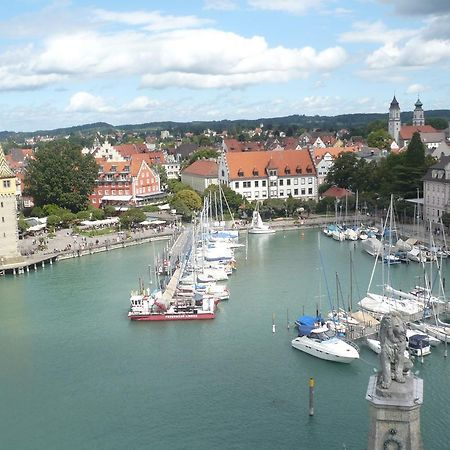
{"points": [[76, 373]]}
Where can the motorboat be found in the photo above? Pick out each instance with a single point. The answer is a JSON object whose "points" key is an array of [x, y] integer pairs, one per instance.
{"points": [[372, 246], [318, 340], [418, 343]]}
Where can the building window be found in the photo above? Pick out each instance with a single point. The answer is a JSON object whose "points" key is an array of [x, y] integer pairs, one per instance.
{"points": [[310, 191], [309, 180], [303, 191], [295, 180], [295, 191], [3, 219], [281, 182], [113, 168], [240, 173], [264, 193], [288, 182], [255, 172], [288, 192], [264, 183], [281, 193], [302, 181], [223, 172], [94, 200], [256, 183], [1, 204], [236, 185], [256, 194], [6, 183]]}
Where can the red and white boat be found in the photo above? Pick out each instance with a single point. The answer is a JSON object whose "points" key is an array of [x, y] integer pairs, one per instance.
{"points": [[146, 306]]}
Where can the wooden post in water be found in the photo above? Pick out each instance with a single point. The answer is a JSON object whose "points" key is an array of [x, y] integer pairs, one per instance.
{"points": [[445, 350], [311, 396], [287, 318], [273, 323]]}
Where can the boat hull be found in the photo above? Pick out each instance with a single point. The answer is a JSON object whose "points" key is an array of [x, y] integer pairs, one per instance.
{"points": [[260, 231], [302, 344], [171, 316]]}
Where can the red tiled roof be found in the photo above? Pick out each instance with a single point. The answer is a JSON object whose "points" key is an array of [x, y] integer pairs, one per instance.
{"points": [[406, 132], [233, 145], [337, 192], [127, 150], [203, 167], [249, 163]]}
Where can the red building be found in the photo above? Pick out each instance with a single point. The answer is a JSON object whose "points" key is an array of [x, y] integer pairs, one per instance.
{"points": [[126, 183]]}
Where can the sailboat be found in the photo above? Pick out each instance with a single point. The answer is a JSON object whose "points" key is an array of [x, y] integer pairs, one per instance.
{"points": [[379, 304], [258, 226]]}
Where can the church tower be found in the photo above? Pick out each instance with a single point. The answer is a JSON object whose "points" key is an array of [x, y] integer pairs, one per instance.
{"points": [[9, 240], [418, 115], [394, 120]]}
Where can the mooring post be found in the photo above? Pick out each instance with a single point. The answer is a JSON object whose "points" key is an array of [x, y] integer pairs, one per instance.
{"points": [[311, 396], [445, 349]]}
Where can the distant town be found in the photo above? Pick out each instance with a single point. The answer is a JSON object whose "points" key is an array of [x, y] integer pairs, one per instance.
{"points": [[55, 181]]}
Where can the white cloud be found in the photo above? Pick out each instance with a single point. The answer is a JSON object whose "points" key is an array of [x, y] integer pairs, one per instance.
{"points": [[415, 88], [153, 21], [194, 58], [375, 32], [85, 102], [291, 6], [419, 7], [415, 53], [141, 103], [220, 5]]}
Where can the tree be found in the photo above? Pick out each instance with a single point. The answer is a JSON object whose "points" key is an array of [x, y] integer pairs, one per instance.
{"points": [[379, 139], [204, 153], [438, 123], [131, 218], [415, 153], [161, 171], [62, 175], [175, 186], [186, 202]]}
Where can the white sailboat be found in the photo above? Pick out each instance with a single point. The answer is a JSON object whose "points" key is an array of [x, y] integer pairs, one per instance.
{"points": [[258, 226]]}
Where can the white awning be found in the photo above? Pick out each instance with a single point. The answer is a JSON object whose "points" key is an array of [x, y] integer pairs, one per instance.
{"points": [[117, 198]]}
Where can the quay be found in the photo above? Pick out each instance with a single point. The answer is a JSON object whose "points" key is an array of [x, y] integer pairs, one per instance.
{"points": [[53, 253]]}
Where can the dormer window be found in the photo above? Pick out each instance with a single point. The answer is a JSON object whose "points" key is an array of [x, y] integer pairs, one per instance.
{"points": [[308, 170], [240, 173], [255, 172], [113, 168], [298, 169], [287, 171], [126, 169]]}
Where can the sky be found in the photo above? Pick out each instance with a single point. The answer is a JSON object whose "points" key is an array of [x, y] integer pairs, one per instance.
{"points": [[65, 63]]}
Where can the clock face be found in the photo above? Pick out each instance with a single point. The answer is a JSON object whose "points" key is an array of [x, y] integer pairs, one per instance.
{"points": [[392, 444]]}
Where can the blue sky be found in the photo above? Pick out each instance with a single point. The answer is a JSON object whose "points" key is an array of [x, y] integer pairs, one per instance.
{"points": [[66, 63]]}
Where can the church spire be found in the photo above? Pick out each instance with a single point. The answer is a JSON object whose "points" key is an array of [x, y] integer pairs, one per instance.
{"points": [[5, 170]]}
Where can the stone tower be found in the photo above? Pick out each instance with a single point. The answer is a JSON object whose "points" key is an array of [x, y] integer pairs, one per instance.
{"points": [[418, 115], [9, 239], [394, 120]]}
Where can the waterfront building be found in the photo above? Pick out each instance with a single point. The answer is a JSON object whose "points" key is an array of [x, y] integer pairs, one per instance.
{"points": [[9, 236], [394, 122], [201, 174], [262, 175], [436, 190], [132, 182]]}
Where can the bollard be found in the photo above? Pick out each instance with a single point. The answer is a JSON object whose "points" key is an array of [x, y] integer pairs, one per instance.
{"points": [[311, 396]]}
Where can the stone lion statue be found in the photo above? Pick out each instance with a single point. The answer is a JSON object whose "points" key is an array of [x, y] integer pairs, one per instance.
{"points": [[394, 364]]}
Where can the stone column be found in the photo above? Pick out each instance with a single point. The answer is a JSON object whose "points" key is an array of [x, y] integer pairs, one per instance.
{"points": [[395, 414]]}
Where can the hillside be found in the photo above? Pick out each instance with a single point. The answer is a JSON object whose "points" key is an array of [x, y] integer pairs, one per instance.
{"points": [[348, 121]]}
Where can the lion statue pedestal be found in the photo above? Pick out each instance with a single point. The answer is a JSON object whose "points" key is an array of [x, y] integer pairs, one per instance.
{"points": [[395, 396]]}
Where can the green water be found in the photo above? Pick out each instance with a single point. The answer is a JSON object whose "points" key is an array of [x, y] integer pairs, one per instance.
{"points": [[77, 374]]}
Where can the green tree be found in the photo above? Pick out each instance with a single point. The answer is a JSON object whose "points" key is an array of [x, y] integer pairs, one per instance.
{"points": [[439, 123], [62, 175], [161, 171], [415, 153], [109, 210], [175, 186], [23, 225], [131, 218], [379, 139], [204, 153]]}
